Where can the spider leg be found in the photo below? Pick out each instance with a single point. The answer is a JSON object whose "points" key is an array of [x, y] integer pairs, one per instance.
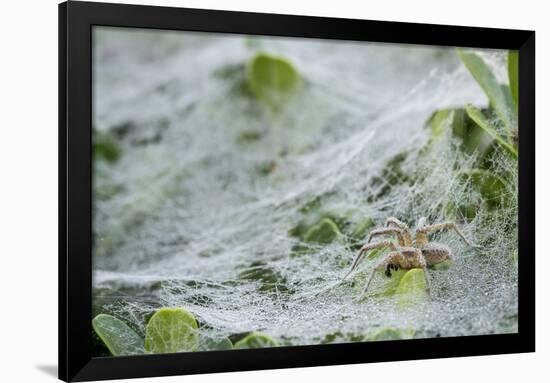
{"points": [[365, 249], [406, 237], [388, 259], [387, 230], [416, 259], [442, 226], [421, 262], [397, 223], [427, 279]]}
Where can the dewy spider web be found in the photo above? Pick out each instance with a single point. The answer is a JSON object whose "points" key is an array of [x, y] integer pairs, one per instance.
{"points": [[193, 215]]}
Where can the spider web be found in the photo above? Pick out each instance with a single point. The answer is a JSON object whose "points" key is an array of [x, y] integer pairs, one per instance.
{"points": [[200, 216]]}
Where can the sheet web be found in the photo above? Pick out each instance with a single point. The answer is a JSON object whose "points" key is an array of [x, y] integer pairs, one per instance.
{"points": [[200, 214]]}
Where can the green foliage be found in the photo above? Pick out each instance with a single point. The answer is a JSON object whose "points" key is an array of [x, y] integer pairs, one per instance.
{"points": [[105, 147], [438, 121], [493, 193], [413, 281], [270, 279], [299, 230], [324, 232], [317, 226], [362, 228], [387, 287], [358, 232], [171, 330], [503, 100], [466, 211], [256, 340], [483, 131], [338, 337], [272, 79], [513, 75], [214, 344], [482, 121], [411, 289], [498, 98], [477, 134], [491, 187], [392, 175], [119, 338], [168, 330], [473, 138], [390, 333]]}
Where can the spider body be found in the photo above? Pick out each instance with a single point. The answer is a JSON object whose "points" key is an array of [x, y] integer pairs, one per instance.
{"points": [[411, 252]]}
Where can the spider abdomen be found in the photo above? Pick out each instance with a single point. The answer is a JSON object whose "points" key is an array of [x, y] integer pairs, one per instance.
{"points": [[435, 253]]}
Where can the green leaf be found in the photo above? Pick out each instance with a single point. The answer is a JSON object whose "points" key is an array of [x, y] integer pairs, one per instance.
{"points": [[171, 330], [390, 333], [513, 75], [389, 282], [482, 121], [119, 338], [473, 137], [454, 211], [324, 232], [362, 228], [488, 82], [439, 121], [412, 281], [494, 192], [492, 188], [271, 280], [358, 235], [214, 344], [272, 79], [411, 289], [256, 340]]}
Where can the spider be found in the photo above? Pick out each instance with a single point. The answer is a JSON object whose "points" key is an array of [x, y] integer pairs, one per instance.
{"points": [[410, 253]]}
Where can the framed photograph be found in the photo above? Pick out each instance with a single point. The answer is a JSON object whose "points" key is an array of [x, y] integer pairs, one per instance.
{"points": [[244, 191]]}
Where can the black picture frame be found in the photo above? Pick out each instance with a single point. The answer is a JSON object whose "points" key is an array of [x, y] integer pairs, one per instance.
{"points": [[75, 192]]}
